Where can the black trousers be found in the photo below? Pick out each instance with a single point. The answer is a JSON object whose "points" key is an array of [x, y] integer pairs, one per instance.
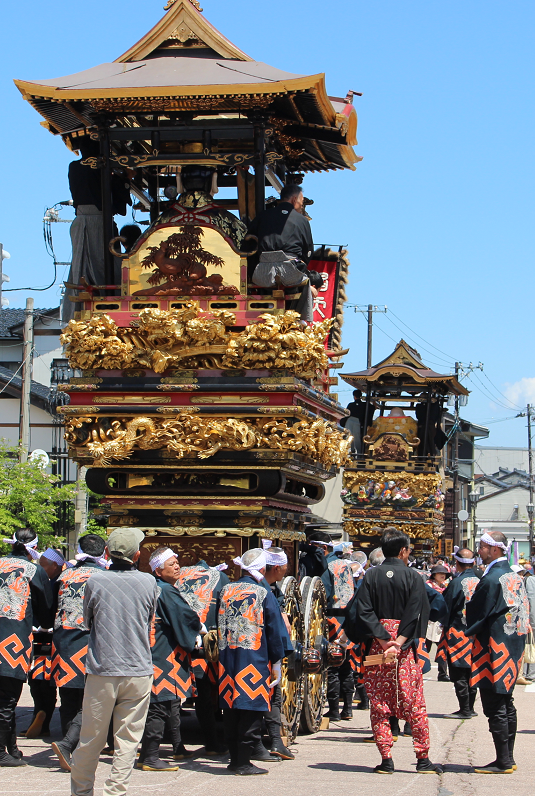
{"points": [[205, 706], [10, 691], [159, 714], [466, 695], [272, 719], [70, 707], [501, 713], [340, 680], [44, 694], [242, 733]]}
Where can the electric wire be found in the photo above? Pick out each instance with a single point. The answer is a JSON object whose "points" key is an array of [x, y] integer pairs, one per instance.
{"points": [[450, 358], [28, 356], [448, 362], [499, 392]]}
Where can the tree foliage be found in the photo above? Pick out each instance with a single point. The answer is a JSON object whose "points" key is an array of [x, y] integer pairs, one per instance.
{"points": [[29, 498]]}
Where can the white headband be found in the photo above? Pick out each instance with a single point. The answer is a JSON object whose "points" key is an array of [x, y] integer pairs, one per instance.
{"points": [[274, 559], [487, 539], [252, 569], [102, 561], [220, 567], [459, 559], [159, 560], [322, 544], [30, 546], [54, 556]]}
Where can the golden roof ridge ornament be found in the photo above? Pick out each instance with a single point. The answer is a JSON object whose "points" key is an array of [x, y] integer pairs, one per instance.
{"points": [[194, 3]]}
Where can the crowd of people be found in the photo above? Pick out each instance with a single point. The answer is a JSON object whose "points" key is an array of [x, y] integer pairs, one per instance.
{"points": [[126, 648]]}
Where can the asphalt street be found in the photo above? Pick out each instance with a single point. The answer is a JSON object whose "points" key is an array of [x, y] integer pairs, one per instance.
{"points": [[332, 761]]}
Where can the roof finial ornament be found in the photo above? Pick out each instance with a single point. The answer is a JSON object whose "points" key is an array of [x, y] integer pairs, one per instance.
{"points": [[194, 3]]}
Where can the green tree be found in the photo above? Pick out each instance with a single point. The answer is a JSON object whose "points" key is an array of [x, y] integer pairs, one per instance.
{"points": [[29, 498]]}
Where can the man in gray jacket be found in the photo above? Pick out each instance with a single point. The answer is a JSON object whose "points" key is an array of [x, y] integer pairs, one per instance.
{"points": [[118, 608]]}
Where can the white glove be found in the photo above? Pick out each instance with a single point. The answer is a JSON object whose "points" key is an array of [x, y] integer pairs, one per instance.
{"points": [[275, 675]]}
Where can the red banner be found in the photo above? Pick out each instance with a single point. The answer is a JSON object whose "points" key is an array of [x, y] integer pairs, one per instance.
{"points": [[324, 301]]}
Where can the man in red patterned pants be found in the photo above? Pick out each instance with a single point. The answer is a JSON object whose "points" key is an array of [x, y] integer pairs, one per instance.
{"points": [[388, 615]]}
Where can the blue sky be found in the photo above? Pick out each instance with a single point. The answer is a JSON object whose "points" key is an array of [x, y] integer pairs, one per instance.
{"points": [[438, 217]]}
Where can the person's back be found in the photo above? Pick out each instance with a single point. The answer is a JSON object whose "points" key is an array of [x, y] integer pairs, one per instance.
{"points": [[118, 606]]}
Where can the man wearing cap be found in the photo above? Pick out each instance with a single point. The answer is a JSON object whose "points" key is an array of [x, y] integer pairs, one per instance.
{"points": [[118, 608], [498, 618], [250, 652], [26, 600], [200, 586], [455, 648], [173, 636], [276, 568], [436, 585], [69, 641]]}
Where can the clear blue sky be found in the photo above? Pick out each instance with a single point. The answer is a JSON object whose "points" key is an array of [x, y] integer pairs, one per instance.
{"points": [[438, 216]]}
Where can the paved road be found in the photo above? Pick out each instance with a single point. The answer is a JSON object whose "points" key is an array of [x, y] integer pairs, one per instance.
{"points": [[334, 760]]}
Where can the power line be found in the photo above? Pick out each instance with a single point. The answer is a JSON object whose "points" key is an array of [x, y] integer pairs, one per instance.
{"points": [[446, 361], [500, 393], [450, 358]]}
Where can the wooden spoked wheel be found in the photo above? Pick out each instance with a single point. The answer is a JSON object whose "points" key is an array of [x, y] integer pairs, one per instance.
{"points": [[313, 605], [292, 679]]}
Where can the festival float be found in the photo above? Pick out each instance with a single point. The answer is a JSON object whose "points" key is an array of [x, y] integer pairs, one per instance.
{"points": [[396, 477], [202, 405]]}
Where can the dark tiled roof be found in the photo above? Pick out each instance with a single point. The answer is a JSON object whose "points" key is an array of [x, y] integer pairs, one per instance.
{"points": [[11, 318], [37, 391]]}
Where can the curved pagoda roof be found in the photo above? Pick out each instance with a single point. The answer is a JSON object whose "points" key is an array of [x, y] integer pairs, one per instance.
{"points": [[185, 64], [405, 365]]}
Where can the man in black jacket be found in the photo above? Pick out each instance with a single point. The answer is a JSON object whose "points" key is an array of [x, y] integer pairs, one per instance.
{"points": [[284, 248], [389, 613]]}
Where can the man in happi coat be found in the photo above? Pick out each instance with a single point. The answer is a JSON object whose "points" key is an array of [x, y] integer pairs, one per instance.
{"points": [[276, 568], [200, 586], [25, 602], [389, 614], [455, 647], [69, 642], [40, 681], [250, 652], [498, 618], [173, 637], [340, 588]]}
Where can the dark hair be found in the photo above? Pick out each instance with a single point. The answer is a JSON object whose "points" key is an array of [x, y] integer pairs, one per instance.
{"points": [[319, 536], [316, 279], [289, 191], [131, 232], [87, 147], [392, 541], [358, 393], [24, 535], [92, 545]]}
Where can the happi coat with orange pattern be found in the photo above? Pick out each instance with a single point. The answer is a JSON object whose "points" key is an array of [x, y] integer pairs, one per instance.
{"points": [[250, 641], [455, 647], [497, 617], [174, 629], [70, 637], [200, 586], [25, 602]]}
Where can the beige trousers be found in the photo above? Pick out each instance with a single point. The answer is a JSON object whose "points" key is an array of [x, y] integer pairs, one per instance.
{"points": [[126, 701]]}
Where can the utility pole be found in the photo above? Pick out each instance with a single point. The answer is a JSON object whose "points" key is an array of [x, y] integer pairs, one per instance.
{"points": [[530, 465], [530, 507], [80, 506], [27, 351], [369, 310], [455, 467]]}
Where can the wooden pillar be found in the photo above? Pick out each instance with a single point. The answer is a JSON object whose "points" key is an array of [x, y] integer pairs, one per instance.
{"points": [[259, 166], [107, 209]]}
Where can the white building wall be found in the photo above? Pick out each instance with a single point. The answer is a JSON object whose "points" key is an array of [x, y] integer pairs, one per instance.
{"points": [[489, 460]]}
